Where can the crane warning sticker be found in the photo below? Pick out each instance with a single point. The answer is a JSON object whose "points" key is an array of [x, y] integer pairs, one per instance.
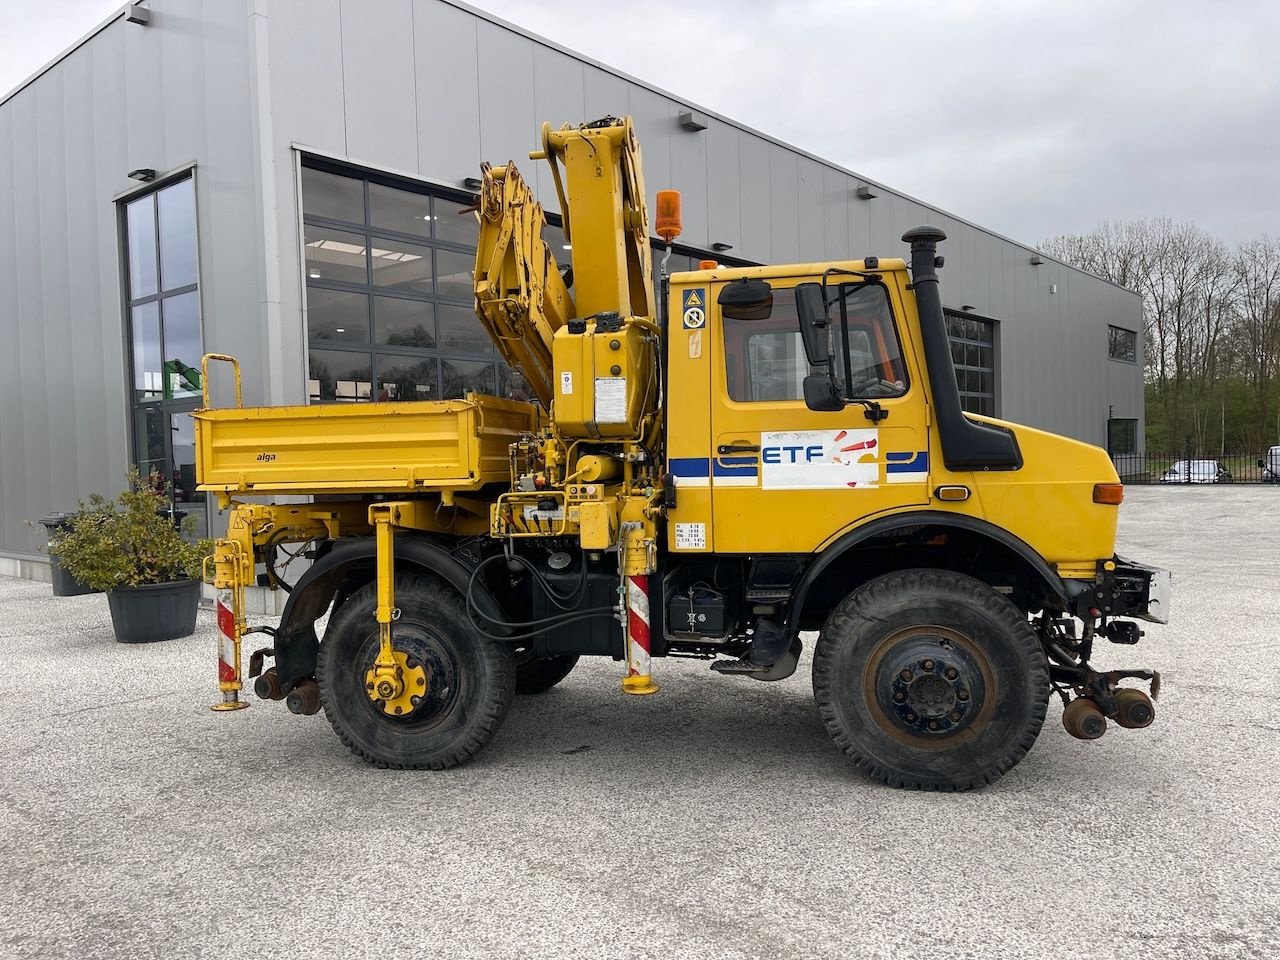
{"points": [[566, 381], [820, 459], [691, 536], [695, 308]]}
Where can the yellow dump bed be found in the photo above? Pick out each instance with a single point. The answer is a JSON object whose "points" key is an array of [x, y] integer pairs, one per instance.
{"points": [[359, 448]]}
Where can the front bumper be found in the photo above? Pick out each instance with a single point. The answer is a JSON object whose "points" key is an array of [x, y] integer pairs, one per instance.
{"points": [[1129, 589], [1143, 592]]}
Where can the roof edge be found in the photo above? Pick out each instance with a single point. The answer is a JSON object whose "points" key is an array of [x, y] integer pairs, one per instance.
{"points": [[591, 61], [120, 12]]}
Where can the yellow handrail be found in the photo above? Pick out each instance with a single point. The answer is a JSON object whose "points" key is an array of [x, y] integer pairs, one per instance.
{"points": [[204, 376]]}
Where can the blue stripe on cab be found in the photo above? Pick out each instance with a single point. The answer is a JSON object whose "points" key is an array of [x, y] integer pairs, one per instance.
{"points": [[690, 466], [917, 462]]}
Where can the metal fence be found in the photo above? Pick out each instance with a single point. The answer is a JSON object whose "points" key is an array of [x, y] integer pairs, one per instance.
{"points": [[1170, 468]]}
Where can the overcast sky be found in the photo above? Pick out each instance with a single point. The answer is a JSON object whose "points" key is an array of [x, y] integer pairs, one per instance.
{"points": [[1032, 117]]}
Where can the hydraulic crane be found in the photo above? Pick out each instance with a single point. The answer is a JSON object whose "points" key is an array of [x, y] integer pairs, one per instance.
{"points": [[778, 449]]}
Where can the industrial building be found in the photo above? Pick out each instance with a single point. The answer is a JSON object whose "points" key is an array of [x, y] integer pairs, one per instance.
{"points": [[285, 181]]}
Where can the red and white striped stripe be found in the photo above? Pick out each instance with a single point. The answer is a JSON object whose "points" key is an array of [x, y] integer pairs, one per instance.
{"points": [[226, 639], [638, 626]]}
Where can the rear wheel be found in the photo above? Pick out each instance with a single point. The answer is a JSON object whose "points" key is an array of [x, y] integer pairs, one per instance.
{"points": [[469, 684], [930, 680], [539, 674]]}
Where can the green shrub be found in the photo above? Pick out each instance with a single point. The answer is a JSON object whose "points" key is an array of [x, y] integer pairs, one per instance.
{"points": [[129, 541]]}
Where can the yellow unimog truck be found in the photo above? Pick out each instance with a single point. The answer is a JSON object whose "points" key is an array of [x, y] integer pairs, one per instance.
{"points": [[769, 451]]}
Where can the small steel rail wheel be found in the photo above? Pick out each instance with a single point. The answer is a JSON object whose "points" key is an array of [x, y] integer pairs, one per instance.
{"points": [[931, 680], [536, 674], [445, 721], [1083, 719], [1134, 709]]}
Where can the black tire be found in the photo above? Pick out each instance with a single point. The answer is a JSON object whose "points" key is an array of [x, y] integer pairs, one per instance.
{"points": [[930, 680], [539, 674], [471, 679]]}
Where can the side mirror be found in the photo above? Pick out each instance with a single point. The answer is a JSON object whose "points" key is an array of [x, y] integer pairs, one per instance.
{"points": [[811, 308], [820, 393], [746, 300], [1262, 463]]}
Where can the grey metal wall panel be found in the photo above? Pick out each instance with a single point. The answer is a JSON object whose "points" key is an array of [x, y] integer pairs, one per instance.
{"points": [[724, 209], [655, 121], [13, 475], [811, 220], [753, 191], [784, 215], [688, 174], [508, 121], [444, 42], [129, 97], [559, 97], [606, 94], [836, 193], [378, 75], [306, 77]]}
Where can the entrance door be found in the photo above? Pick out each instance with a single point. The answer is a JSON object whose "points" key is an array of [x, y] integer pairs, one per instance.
{"points": [[786, 478], [165, 439]]}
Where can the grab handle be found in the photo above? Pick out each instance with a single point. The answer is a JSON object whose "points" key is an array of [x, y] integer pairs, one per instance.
{"points": [[204, 376]]}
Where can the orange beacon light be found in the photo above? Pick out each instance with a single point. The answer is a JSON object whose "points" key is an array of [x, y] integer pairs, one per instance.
{"points": [[669, 226]]}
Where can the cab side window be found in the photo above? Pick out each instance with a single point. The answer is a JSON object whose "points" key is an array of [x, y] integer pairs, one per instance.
{"points": [[875, 367], [765, 359]]}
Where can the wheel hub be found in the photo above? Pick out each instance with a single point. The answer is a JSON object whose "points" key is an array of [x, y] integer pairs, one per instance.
{"points": [[400, 694], [928, 682]]}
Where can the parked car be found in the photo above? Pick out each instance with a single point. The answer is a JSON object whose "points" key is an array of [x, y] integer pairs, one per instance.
{"points": [[1201, 471], [1271, 466]]}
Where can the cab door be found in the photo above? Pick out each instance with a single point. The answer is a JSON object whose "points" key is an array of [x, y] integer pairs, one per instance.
{"points": [[785, 478]]}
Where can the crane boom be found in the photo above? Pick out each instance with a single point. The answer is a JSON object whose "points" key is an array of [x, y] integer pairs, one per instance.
{"points": [[520, 296]]}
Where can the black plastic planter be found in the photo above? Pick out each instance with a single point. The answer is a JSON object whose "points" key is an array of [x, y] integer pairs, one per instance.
{"points": [[64, 584], [154, 611]]}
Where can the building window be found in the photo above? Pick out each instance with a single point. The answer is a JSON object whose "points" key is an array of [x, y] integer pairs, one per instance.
{"points": [[162, 299], [390, 303], [1122, 344], [973, 355], [1122, 437]]}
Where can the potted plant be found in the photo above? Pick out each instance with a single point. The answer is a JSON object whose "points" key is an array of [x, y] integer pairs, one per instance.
{"points": [[130, 549]]}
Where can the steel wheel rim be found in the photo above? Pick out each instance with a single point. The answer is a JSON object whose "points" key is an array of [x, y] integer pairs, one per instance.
{"points": [[929, 687], [441, 659]]}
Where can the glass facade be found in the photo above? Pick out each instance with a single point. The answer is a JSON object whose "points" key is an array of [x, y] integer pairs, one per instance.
{"points": [[390, 303], [166, 343], [973, 354], [390, 312]]}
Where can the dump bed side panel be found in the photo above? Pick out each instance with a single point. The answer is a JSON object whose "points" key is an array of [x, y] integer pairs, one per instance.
{"points": [[359, 448]]}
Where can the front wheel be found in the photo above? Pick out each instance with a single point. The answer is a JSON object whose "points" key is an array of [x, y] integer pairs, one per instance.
{"points": [[467, 682], [931, 680]]}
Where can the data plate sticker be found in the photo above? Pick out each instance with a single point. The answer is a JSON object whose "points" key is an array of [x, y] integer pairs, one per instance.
{"points": [[566, 381], [691, 536], [611, 399]]}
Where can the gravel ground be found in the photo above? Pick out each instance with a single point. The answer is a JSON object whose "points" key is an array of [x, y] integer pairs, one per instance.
{"points": [[715, 820]]}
